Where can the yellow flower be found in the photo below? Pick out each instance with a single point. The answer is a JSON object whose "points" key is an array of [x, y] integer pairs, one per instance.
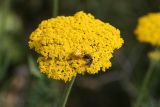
{"points": [[74, 45], [148, 29], [155, 55]]}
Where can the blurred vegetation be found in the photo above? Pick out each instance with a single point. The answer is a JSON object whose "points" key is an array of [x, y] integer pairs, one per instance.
{"points": [[21, 84]]}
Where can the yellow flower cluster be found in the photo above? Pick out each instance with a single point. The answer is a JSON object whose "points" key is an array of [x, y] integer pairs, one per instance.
{"points": [[155, 55], [148, 29], [74, 45]]}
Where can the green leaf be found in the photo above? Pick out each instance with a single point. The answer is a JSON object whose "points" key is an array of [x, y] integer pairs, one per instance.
{"points": [[4, 63], [33, 67]]}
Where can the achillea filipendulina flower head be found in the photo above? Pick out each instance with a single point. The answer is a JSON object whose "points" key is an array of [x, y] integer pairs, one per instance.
{"points": [[74, 45], [148, 29], [154, 55]]}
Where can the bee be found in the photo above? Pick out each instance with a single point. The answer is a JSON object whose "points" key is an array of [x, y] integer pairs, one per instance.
{"points": [[89, 59], [83, 55]]}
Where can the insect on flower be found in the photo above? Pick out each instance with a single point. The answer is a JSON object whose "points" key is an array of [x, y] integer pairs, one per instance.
{"points": [[73, 53], [80, 54]]}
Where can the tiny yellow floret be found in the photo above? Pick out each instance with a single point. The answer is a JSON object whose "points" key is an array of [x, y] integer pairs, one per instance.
{"points": [[148, 29], [71, 45]]}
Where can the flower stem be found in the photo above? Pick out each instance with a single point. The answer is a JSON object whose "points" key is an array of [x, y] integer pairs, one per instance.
{"points": [[66, 93], [55, 7], [5, 11], [145, 83]]}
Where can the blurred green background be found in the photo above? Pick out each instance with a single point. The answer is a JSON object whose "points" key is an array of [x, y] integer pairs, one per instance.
{"points": [[21, 84]]}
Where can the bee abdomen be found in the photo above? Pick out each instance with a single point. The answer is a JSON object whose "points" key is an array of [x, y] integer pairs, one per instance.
{"points": [[89, 59]]}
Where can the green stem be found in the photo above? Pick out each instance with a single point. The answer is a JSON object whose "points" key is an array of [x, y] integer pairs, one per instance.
{"points": [[66, 93], [5, 11], [55, 7], [3, 24], [145, 83]]}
